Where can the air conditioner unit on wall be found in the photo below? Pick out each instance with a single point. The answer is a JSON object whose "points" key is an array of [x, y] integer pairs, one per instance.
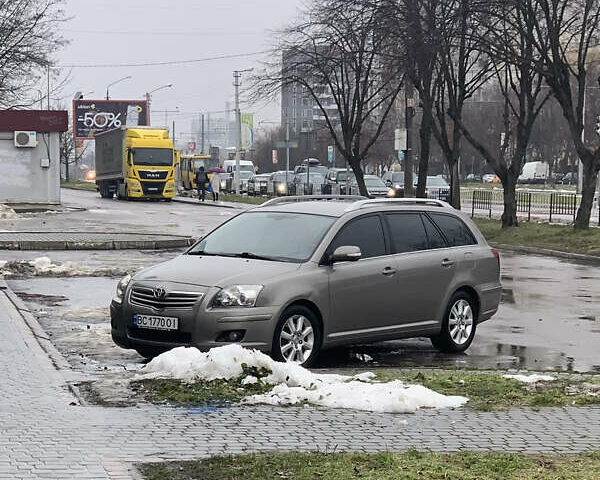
{"points": [[25, 139]]}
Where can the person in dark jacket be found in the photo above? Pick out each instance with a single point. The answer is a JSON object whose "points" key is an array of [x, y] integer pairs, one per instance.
{"points": [[201, 182]]}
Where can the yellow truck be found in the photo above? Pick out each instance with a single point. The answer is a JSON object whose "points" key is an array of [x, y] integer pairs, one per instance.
{"points": [[135, 162]]}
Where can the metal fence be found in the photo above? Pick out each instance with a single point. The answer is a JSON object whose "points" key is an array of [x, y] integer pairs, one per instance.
{"points": [[551, 206]]}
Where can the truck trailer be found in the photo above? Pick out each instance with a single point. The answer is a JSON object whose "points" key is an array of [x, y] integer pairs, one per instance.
{"points": [[135, 162]]}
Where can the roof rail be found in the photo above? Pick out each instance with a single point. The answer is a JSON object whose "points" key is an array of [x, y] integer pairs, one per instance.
{"points": [[404, 201], [309, 198]]}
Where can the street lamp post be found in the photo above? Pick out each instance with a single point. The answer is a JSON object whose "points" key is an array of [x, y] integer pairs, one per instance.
{"points": [[149, 96], [237, 82], [114, 83]]}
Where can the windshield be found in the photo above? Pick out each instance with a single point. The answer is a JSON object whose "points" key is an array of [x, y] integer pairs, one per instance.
{"points": [[246, 175], [267, 234], [312, 178], [320, 169], [157, 157], [436, 182], [370, 182]]}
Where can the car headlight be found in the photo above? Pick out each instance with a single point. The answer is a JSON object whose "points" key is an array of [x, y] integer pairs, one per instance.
{"points": [[122, 286], [237, 296], [391, 193], [397, 186]]}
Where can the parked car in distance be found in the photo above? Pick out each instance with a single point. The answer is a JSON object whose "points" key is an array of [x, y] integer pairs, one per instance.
{"points": [[259, 184], [395, 180], [313, 179], [245, 175], [376, 187], [473, 178], [278, 179], [338, 176], [436, 187], [488, 178], [357, 271]]}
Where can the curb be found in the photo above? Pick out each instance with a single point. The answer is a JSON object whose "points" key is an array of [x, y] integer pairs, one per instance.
{"points": [[547, 252], [171, 241], [192, 201]]}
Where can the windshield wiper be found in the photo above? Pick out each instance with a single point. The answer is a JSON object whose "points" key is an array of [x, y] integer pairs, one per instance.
{"points": [[207, 254], [253, 256]]}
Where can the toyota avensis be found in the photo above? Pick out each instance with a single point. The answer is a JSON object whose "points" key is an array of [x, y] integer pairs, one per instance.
{"points": [[300, 274]]}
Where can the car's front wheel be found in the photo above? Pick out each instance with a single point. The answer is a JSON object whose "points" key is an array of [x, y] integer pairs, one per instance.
{"points": [[459, 325], [297, 337]]}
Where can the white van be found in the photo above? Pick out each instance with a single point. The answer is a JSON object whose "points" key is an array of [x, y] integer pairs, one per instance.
{"points": [[534, 172], [245, 166]]}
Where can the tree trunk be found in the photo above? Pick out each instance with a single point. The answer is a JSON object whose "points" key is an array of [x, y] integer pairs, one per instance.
{"points": [[67, 170], [455, 184], [590, 177], [509, 216], [425, 133], [360, 178]]}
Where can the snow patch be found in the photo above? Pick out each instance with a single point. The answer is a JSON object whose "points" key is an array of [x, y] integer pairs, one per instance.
{"points": [[7, 213], [43, 266], [294, 384], [533, 378]]}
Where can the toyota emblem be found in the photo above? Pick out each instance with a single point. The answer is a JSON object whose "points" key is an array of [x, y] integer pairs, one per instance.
{"points": [[160, 293]]}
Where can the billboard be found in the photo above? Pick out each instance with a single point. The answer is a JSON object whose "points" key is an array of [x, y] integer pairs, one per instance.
{"points": [[95, 116], [247, 130]]}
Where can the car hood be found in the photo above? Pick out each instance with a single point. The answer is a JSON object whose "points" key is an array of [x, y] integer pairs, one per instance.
{"points": [[215, 271]]}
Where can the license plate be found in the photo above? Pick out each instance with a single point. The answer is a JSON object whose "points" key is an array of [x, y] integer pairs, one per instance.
{"points": [[155, 323]]}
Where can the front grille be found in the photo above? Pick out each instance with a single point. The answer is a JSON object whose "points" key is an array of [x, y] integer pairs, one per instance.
{"points": [[159, 335], [153, 188], [153, 174], [144, 297]]}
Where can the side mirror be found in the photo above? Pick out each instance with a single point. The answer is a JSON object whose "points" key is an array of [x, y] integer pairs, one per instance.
{"points": [[346, 254]]}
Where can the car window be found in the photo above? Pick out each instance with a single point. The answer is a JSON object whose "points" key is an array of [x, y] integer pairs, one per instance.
{"points": [[454, 229], [365, 233], [407, 232], [433, 235]]}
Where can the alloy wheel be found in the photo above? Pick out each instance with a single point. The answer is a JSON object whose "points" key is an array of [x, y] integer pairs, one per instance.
{"points": [[297, 339], [460, 321]]}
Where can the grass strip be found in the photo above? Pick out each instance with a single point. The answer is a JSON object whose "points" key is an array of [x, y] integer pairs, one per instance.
{"points": [[542, 235], [487, 392], [411, 465]]}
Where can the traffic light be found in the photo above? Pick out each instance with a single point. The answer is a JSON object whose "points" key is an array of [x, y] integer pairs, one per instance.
{"points": [[598, 124]]}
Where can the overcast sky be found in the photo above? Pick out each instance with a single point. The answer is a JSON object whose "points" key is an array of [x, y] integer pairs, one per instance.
{"points": [[147, 31]]}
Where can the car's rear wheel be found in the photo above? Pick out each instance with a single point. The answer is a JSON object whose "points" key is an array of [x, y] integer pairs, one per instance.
{"points": [[459, 325], [150, 352], [297, 338]]}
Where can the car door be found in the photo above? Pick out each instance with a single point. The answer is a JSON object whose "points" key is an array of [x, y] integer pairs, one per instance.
{"points": [[424, 264], [361, 292]]}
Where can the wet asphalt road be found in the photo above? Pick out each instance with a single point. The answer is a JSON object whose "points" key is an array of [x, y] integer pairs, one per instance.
{"points": [[549, 318]]}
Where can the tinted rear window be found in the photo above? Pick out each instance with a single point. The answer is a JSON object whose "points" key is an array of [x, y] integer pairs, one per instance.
{"points": [[454, 229], [407, 232]]}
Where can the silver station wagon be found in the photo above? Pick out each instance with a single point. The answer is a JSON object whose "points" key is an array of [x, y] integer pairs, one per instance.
{"points": [[300, 274]]}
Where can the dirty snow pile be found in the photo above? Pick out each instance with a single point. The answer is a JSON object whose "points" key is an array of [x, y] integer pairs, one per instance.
{"points": [[533, 378], [7, 213], [294, 384], [43, 266]]}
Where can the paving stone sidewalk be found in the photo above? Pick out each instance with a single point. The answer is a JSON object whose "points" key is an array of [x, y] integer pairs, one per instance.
{"points": [[45, 435]]}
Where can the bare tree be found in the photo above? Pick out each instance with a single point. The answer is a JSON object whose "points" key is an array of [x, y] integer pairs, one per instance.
{"points": [[463, 69], [564, 33], [508, 44], [28, 39], [68, 151], [347, 63]]}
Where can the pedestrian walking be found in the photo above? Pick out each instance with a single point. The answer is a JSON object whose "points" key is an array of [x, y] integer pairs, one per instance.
{"points": [[201, 183], [215, 183]]}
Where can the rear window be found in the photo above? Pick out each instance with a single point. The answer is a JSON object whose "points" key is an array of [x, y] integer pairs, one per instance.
{"points": [[454, 229], [407, 232]]}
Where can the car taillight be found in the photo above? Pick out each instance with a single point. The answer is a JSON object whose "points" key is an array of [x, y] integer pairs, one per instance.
{"points": [[497, 255]]}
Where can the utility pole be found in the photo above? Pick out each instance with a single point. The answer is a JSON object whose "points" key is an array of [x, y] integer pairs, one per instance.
{"points": [[287, 152], [174, 134], [237, 81], [202, 122], [148, 100], [409, 92]]}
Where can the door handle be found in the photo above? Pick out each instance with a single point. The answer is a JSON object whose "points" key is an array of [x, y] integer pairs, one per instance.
{"points": [[447, 262], [388, 271]]}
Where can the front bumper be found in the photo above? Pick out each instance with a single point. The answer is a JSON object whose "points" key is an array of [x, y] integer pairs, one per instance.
{"points": [[199, 327]]}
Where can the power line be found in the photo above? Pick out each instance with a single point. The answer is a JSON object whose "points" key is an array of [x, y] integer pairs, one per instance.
{"points": [[173, 62]]}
